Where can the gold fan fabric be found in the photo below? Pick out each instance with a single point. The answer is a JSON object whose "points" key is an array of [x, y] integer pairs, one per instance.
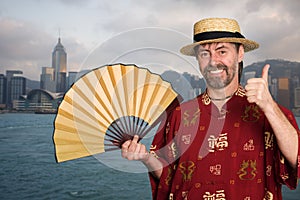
{"points": [[99, 99]]}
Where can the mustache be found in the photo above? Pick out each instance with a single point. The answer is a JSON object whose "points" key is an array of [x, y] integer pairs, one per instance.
{"points": [[216, 67]]}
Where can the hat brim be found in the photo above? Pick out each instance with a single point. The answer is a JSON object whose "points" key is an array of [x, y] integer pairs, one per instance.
{"points": [[249, 45]]}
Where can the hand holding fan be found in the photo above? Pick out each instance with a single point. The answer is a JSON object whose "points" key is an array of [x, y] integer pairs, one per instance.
{"points": [[108, 106]]}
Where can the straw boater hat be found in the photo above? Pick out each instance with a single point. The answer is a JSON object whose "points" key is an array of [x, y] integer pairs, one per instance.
{"points": [[217, 30]]}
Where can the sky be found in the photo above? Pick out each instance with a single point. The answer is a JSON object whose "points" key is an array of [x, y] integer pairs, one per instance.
{"points": [[146, 33]]}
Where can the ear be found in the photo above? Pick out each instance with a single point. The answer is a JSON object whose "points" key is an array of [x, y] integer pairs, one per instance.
{"points": [[241, 53]]}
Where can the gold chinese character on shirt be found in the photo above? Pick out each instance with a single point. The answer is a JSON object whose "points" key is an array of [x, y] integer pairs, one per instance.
{"points": [[172, 153], [217, 143], [268, 140], [218, 195], [249, 146], [215, 169]]}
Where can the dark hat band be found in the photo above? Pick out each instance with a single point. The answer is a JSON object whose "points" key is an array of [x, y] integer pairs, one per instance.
{"points": [[215, 35]]}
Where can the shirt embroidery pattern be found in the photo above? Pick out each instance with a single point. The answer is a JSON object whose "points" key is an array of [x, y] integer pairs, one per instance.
{"points": [[169, 176], [251, 113], [187, 169], [152, 150], [186, 139], [240, 92], [205, 99], [248, 170], [269, 170], [268, 196], [190, 119]]}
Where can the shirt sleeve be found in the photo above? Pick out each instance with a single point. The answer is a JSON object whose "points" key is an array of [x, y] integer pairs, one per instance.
{"points": [[163, 149], [286, 174]]}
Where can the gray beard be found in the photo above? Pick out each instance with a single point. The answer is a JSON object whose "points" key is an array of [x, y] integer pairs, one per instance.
{"points": [[216, 82]]}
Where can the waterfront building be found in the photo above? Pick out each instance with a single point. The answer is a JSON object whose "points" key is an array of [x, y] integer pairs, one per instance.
{"points": [[39, 100], [284, 92], [3, 91], [47, 79], [297, 97], [73, 76], [59, 65], [16, 86]]}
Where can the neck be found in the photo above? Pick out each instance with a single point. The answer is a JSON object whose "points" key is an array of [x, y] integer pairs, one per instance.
{"points": [[220, 96], [223, 93]]}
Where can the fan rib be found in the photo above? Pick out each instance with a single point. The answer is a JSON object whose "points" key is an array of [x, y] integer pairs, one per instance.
{"points": [[114, 83], [113, 79], [144, 92], [152, 99], [134, 97], [106, 91], [126, 83]]}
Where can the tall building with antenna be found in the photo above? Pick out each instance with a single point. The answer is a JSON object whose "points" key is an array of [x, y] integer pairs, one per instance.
{"points": [[59, 65]]}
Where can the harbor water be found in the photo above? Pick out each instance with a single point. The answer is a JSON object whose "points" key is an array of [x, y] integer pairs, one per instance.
{"points": [[28, 169]]}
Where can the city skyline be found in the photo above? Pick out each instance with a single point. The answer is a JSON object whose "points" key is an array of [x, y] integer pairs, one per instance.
{"points": [[29, 31]]}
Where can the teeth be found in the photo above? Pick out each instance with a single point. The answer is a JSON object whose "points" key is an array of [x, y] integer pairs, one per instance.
{"points": [[216, 71]]}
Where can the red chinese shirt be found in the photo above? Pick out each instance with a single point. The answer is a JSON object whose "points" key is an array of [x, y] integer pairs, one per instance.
{"points": [[216, 155]]}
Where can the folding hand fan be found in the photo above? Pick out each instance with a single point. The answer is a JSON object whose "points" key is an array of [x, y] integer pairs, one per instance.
{"points": [[108, 106]]}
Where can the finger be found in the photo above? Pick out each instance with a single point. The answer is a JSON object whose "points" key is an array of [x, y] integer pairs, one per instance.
{"points": [[265, 72], [137, 148], [252, 99], [255, 81], [133, 144], [124, 149], [136, 153], [250, 86], [143, 149], [125, 145], [250, 93], [135, 139]]}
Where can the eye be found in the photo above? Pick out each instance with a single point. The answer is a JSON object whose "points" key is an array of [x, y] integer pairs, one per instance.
{"points": [[222, 52], [204, 54]]}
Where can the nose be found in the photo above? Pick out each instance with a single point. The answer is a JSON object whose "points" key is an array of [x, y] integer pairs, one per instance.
{"points": [[214, 59]]}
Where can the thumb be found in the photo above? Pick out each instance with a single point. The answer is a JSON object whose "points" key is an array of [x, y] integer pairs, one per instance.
{"points": [[265, 72]]}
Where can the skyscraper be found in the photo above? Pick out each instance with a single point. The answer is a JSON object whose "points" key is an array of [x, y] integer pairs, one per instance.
{"points": [[3, 91], [59, 63], [15, 86], [47, 79]]}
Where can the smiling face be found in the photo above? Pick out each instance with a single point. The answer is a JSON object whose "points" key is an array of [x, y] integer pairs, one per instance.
{"points": [[219, 63]]}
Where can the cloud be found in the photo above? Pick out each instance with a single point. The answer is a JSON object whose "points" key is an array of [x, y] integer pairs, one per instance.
{"points": [[24, 46], [27, 42]]}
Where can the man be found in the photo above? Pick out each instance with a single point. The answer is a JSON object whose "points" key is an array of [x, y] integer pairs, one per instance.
{"points": [[228, 143]]}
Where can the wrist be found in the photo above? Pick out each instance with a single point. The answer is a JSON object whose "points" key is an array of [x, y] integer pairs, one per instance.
{"points": [[269, 107], [146, 159]]}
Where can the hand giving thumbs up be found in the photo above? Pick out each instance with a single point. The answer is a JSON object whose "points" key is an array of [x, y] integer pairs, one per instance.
{"points": [[257, 90]]}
